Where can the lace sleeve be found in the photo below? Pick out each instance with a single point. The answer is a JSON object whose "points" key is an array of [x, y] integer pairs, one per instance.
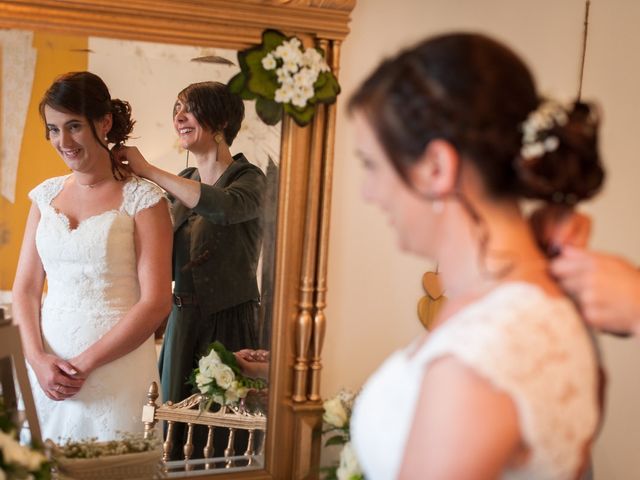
{"points": [[140, 194], [44, 193], [535, 349]]}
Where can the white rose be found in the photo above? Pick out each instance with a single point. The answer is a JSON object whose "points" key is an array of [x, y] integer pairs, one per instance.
{"points": [[240, 390], [223, 376], [268, 62], [13, 452], [231, 396], [335, 413], [208, 363], [202, 381], [349, 466]]}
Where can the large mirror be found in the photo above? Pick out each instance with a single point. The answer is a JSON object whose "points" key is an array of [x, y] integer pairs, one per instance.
{"points": [[160, 47]]}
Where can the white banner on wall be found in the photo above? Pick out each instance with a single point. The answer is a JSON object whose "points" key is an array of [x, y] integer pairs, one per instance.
{"points": [[18, 70]]}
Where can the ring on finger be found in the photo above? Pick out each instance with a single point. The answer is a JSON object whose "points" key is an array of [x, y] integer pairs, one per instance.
{"points": [[58, 388]]}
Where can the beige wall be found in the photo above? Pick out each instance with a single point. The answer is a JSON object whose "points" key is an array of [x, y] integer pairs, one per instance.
{"points": [[374, 288]]}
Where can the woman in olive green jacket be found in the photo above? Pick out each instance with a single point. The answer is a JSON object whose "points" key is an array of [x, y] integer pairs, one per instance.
{"points": [[217, 210]]}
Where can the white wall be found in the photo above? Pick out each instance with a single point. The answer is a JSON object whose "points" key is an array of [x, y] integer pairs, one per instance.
{"points": [[140, 66], [374, 288]]}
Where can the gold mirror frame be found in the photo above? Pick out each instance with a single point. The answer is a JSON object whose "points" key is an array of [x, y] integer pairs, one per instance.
{"points": [[295, 406]]}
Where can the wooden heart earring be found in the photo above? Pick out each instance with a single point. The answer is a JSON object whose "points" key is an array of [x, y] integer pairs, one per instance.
{"points": [[432, 302]]}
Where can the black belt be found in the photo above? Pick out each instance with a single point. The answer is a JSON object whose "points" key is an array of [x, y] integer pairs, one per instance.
{"points": [[183, 299]]}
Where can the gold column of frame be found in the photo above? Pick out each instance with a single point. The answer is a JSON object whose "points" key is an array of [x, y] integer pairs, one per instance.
{"points": [[304, 325], [332, 53]]}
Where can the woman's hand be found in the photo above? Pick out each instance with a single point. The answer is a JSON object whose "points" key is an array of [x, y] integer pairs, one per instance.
{"points": [[58, 378], [606, 288], [556, 227], [253, 363], [133, 159]]}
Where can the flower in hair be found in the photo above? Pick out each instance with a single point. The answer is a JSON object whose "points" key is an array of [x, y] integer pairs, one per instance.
{"points": [[536, 137]]}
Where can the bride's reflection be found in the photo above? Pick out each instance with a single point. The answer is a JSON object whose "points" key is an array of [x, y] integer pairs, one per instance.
{"points": [[150, 75]]}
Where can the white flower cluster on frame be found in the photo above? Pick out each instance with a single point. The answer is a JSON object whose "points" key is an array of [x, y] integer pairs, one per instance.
{"points": [[212, 368], [542, 119], [296, 70]]}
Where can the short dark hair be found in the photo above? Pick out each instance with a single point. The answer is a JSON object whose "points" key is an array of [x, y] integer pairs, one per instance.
{"points": [[215, 107]]}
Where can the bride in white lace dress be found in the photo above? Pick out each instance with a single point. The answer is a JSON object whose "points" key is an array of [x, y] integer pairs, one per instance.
{"points": [[102, 240], [452, 135]]}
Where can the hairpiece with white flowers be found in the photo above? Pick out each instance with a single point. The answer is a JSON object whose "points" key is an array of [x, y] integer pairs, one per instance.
{"points": [[537, 138]]}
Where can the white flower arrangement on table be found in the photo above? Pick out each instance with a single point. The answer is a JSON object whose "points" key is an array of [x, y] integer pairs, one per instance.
{"points": [[337, 417], [92, 448], [219, 379], [282, 76], [18, 461], [131, 455]]}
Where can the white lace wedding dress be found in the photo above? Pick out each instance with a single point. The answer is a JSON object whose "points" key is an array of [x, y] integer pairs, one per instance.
{"points": [[527, 344], [92, 282]]}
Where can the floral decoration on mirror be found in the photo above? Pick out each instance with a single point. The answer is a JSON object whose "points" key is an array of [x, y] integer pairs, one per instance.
{"points": [[283, 76]]}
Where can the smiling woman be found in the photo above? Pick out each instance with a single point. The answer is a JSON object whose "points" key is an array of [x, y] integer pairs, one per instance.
{"points": [[111, 304], [297, 162]]}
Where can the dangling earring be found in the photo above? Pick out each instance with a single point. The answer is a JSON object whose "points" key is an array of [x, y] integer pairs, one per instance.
{"points": [[186, 164], [437, 206], [431, 303], [218, 139]]}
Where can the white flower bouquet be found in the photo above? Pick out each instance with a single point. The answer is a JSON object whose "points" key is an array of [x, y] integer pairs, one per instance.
{"points": [[219, 379], [337, 415], [18, 461], [283, 76]]}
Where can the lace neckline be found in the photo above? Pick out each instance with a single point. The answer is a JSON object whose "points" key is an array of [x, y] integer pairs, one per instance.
{"points": [[65, 218], [413, 350]]}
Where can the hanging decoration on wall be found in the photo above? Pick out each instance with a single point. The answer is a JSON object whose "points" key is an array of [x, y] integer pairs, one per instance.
{"points": [[432, 302], [583, 55], [283, 76]]}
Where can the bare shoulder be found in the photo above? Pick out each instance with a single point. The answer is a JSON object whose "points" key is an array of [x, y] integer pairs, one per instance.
{"points": [[464, 427]]}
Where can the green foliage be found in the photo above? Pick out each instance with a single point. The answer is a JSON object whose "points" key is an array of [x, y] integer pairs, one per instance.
{"points": [[255, 82], [240, 386]]}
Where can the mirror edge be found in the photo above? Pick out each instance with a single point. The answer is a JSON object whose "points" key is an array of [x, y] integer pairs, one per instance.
{"points": [[295, 405]]}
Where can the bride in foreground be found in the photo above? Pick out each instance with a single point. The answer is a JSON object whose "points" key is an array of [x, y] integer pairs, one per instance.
{"points": [[452, 135]]}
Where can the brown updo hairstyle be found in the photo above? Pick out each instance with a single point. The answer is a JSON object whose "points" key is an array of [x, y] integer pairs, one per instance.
{"points": [[215, 107], [84, 93], [475, 93]]}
